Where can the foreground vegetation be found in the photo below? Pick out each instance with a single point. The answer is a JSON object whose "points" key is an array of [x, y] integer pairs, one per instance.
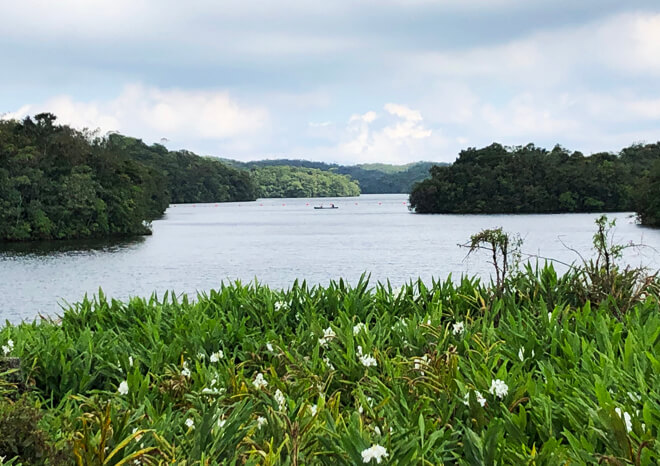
{"points": [[530, 179], [535, 368]]}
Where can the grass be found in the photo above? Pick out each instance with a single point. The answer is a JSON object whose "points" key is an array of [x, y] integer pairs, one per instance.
{"points": [[583, 380]]}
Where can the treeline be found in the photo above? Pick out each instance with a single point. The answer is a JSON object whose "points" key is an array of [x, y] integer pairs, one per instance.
{"points": [[190, 178], [372, 178], [530, 179], [286, 181], [59, 183]]}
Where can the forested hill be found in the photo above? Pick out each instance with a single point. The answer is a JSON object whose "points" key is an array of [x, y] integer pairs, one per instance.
{"points": [[190, 178], [373, 178], [287, 181], [530, 179], [57, 182]]}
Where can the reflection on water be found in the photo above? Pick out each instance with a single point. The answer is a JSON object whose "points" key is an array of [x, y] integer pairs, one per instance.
{"points": [[71, 247], [197, 247]]}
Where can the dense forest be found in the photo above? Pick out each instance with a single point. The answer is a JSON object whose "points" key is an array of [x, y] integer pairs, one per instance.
{"points": [[57, 182], [373, 178], [530, 179], [190, 178], [647, 197], [287, 181]]}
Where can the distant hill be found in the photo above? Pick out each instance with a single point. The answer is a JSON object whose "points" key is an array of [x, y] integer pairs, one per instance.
{"points": [[374, 178]]}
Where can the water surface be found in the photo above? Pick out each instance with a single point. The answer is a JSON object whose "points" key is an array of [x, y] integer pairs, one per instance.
{"points": [[196, 247]]}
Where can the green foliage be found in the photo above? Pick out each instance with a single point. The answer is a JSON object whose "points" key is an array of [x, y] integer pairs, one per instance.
{"points": [[504, 249], [374, 178], [56, 183], [59, 183], [529, 179], [603, 279], [284, 181], [411, 370], [22, 437], [647, 197], [189, 177]]}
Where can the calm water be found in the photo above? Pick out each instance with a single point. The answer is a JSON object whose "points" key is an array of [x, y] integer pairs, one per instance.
{"points": [[196, 247]]}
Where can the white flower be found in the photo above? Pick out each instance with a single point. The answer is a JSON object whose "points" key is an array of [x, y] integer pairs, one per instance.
{"points": [[8, 348], [358, 327], [190, 423], [635, 397], [360, 409], [130, 361], [221, 422], [498, 388], [278, 305], [549, 316], [201, 356], [328, 334], [259, 381], [185, 371], [521, 354], [367, 360], [215, 357], [213, 382], [123, 388], [428, 321], [261, 421], [313, 409], [137, 437], [480, 399], [421, 363], [377, 430], [458, 328], [626, 418], [269, 346], [374, 452], [281, 400], [328, 363]]}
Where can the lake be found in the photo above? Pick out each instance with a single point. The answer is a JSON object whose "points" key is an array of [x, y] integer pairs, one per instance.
{"points": [[197, 247]]}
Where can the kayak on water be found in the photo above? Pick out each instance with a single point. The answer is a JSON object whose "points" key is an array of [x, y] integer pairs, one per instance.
{"points": [[332, 206]]}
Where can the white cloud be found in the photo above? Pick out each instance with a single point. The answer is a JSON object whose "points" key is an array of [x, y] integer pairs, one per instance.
{"points": [[398, 139], [16, 115], [403, 112], [626, 43], [368, 117], [183, 117], [153, 113]]}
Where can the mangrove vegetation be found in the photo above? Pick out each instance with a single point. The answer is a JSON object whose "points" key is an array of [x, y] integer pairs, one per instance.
{"points": [[530, 179]]}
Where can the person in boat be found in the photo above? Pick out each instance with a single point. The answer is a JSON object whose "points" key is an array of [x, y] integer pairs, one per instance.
{"points": [[332, 206]]}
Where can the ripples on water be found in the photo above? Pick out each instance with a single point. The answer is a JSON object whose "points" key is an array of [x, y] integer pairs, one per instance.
{"points": [[196, 247]]}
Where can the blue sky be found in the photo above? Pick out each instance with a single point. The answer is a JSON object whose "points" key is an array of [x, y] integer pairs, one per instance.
{"points": [[343, 81]]}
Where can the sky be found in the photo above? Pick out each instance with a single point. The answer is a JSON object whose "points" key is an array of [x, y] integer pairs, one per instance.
{"points": [[346, 81]]}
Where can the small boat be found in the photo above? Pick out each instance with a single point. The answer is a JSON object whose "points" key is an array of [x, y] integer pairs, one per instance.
{"points": [[332, 206]]}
